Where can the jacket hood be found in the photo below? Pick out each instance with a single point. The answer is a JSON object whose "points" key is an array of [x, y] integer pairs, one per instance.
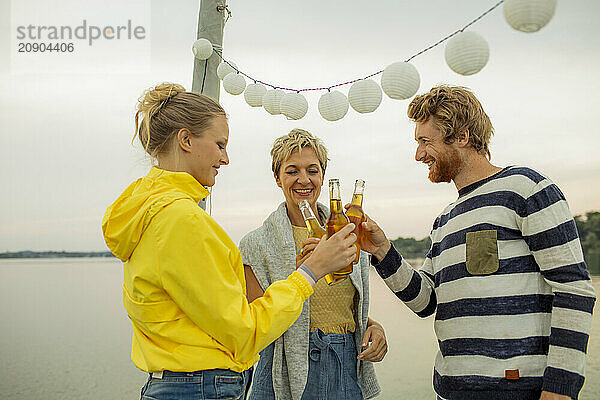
{"points": [[128, 217]]}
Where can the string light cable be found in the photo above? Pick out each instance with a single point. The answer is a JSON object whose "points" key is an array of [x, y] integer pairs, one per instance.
{"points": [[218, 51], [466, 53]]}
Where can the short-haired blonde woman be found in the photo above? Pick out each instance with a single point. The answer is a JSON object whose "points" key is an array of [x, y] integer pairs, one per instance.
{"points": [[319, 357], [184, 288]]}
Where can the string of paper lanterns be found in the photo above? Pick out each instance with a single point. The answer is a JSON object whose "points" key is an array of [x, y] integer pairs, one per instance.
{"points": [[466, 53]]}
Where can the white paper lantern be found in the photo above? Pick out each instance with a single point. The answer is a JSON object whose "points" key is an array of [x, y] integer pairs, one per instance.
{"points": [[467, 53], [234, 83], [365, 96], [202, 49], [529, 15], [333, 105], [293, 105], [400, 80], [225, 69], [271, 101], [254, 94]]}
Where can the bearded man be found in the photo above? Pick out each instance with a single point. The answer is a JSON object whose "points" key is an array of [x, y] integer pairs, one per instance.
{"points": [[505, 275]]}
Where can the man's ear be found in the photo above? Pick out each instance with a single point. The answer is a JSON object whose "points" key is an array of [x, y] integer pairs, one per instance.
{"points": [[463, 138], [184, 140], [277, 180]]}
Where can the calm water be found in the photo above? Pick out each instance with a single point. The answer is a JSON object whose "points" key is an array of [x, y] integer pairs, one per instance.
{"points": [[65, 336]]}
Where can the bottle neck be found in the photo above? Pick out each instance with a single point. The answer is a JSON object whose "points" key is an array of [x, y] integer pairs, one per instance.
{"points": [[334, 191], [335, 206], [294, 213], [359, 187], [306, 212], [335, 198], [357, 200]]}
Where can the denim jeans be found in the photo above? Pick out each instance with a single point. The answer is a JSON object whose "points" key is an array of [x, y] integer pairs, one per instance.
{"points": [[331, 370], [212, 384]]}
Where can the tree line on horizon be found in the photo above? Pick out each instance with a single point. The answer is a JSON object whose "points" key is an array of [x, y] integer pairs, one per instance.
{"points": [[54, 254], [588, 226]]}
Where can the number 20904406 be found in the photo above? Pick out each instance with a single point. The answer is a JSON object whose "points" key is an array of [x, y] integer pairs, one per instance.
{"points": [[46, 47]]}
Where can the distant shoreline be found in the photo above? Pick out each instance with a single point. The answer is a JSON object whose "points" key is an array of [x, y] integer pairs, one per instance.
{"points": [[56, 254]]}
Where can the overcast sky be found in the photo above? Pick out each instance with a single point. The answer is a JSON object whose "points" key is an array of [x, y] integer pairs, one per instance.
{"points": [[65, 144]]}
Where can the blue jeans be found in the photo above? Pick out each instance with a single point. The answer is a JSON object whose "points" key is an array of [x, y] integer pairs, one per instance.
{"points": [[331, 370], [210, 384]]}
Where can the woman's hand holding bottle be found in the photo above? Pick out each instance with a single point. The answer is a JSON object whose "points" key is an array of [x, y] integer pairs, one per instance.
{"points": [[330, 254]]}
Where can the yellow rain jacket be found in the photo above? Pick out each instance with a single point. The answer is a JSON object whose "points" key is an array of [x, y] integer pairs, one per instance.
{"points": [[184, 287]]}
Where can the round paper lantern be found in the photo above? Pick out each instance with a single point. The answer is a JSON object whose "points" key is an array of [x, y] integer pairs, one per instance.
{"points": [[467, 53], [333, 105], [225, 69], [202, 49], [234, 83], [271, 101], [365, 96], [529, 15], [400, 80], [293, 105], [254, 94]]}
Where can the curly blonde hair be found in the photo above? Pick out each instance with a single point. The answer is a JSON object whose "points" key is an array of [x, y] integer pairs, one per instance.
{"points": [[296, 140], [165, 109], [454, 109]]}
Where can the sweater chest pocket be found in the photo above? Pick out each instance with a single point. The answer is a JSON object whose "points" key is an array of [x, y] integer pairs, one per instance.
{"points": [[482, 252]]}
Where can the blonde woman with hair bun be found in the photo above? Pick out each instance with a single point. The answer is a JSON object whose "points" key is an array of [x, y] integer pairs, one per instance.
{"points": [[184, 289]]}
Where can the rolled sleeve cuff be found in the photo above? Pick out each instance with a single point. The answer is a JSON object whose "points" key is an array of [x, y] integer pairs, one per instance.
{"points": [[390, 263], [563, 382], [308, 274], [301, 283]]}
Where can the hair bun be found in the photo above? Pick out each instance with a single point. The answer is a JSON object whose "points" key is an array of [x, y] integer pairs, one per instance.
{"points": [[154, 98]]}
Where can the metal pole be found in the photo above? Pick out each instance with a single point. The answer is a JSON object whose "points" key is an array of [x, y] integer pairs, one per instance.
{"points": [[211, 21]]}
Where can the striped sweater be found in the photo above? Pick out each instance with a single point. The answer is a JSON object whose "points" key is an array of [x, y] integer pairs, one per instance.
{"points": [[512, 297]]}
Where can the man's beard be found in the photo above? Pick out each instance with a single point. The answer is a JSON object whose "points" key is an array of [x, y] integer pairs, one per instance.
{"points": [[446, 166]]}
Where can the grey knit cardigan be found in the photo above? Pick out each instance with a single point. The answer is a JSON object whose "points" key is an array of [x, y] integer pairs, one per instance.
{"points": [[271, 253]]}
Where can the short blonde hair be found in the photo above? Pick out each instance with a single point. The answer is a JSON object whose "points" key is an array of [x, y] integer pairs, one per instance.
{"points": [[165, 109], [296, 140], [454, 109]]}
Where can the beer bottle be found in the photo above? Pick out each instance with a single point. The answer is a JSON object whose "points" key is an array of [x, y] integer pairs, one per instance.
{"points": [[356, 215], [315, 230], [337, 220]]}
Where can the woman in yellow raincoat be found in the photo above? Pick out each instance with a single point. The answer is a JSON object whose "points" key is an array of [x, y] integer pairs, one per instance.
{"points": [[194, 331]]}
